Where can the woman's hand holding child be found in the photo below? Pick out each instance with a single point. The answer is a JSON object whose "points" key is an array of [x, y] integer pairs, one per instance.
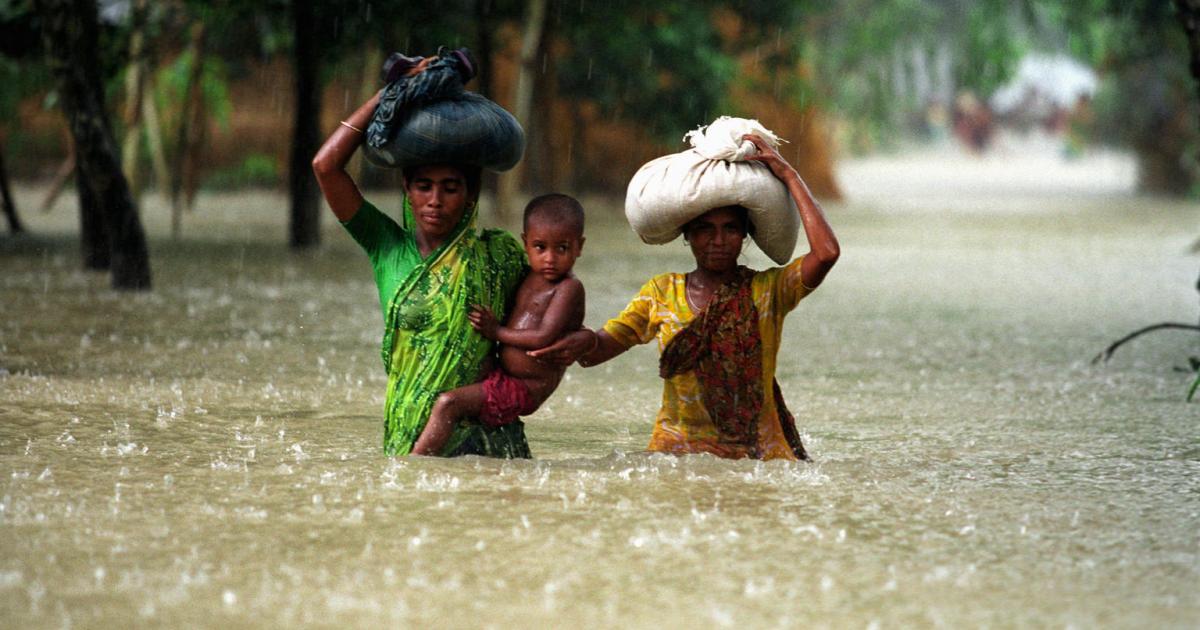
{"points": [[483, 321]]}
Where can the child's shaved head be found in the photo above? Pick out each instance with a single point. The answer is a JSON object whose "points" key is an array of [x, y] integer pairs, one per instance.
{"points": [[557, 209]]}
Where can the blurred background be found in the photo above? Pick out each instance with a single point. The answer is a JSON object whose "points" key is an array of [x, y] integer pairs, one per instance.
{"points": [[1013, 184], [200, 96]]}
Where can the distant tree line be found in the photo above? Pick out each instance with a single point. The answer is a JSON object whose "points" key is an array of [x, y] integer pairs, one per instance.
{"points": [[664, 67]]}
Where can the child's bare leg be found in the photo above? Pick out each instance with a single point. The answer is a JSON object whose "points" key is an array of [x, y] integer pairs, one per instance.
{"points": [[447, 409]]}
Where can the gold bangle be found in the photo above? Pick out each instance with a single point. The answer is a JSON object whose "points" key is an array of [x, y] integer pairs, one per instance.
{"points": [[595, 342], [351, 127]]}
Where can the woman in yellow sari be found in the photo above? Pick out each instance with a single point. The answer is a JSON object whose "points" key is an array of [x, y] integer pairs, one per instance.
{"points": [[719, 328]]}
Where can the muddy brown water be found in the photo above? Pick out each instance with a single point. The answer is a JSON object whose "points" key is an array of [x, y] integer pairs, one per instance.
{"points": [[208, 454]]}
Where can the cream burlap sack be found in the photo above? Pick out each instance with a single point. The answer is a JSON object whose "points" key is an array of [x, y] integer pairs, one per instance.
{"points": [[668, 192]]}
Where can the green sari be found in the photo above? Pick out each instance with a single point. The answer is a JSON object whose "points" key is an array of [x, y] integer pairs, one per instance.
{"points": [[429, 346]]}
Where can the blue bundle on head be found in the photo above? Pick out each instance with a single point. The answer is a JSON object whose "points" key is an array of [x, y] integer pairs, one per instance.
{"points": [[428, 118]]}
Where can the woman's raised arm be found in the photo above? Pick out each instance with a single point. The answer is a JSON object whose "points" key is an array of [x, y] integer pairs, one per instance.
{"points": [[329, 165], [822, 243]]}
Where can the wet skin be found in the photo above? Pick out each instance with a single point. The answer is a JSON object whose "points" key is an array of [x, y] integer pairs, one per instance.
{"points": [[716, 239], [548, 303], [439, 197]]}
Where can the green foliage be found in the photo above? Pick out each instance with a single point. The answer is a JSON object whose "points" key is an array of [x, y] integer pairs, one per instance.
{"points": [[257, 170], [17, 82], [990, 51], [661, 65], [1114, 33], [863, 43], [10, 9], [173, 79], [668, 66], [345, 27], [19, 29], [1147, 98]]}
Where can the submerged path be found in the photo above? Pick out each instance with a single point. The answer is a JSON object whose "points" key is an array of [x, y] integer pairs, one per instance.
{"points": [[1021, 172], [209, 453]]}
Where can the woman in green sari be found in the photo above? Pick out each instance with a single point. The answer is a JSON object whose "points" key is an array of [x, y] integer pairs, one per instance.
{"points": [[429, 270]]}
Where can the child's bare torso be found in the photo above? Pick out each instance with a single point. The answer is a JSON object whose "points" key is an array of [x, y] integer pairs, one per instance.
{"points": [[533, 298]]}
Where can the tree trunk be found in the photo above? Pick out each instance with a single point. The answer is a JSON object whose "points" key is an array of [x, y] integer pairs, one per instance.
{"points": [[485, 53], [10, 207], [93, 233], [368, 86], [1162, 137], [158, 157], [192, 128], [577, 150], [305, 227], [486, 48], [531, 43], [546, 152], [1189, 18], [135, 85], [1161, 168], [70, 36], [66, 169]]}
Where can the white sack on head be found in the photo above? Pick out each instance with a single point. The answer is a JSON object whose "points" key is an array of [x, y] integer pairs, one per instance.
{"points": [[668, 192]]}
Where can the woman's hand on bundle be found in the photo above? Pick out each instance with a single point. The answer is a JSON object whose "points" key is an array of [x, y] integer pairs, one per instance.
{"points": [[483, 321], [770, 157], [421, 65], [823, 244]]}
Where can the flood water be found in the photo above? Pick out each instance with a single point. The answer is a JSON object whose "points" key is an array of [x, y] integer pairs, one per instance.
{"points": [[209, 453]]}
